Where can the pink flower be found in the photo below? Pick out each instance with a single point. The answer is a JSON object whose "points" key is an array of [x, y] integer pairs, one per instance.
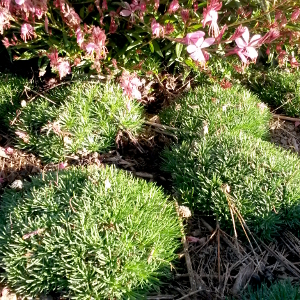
{"points": [[185, 14], [245, 48], [20, 2], [53, 56], [129, 9], [4, 19], [174, 6], [219, 37], [196, 52], [270, 36], [113, 25], [210, 17], [294, 63], [104, 5], [9, 150], [169, 28], [191, 38], [130, 84], [62, 165], [23, 135], [27, 32], [79, 35], [97, 43], [157, 29], [63, 68], [238, 33], [90, 48], [295, 14], [280, 16], [5, 42]]}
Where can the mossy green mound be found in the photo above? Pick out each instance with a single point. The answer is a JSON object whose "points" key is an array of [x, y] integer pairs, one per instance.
{"points": [[256, 178], [11, 88], [91, 234], [280, 89], [82, 117], [282, 290], [235, 109]]}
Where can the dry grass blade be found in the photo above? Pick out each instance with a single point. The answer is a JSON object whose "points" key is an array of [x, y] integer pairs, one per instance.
{"points": [[287, 264]]}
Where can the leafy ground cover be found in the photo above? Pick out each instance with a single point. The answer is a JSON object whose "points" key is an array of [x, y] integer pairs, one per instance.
{"points": [[82, 117], [92, 232], [11, 90], [188, 54], [238, 176], [209, 109], [279, 89], [280, 290]]}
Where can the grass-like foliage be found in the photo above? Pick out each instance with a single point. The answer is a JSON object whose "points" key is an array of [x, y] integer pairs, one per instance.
{"points": [[252, 176], [85, 117], [279, 89], [11, 88], [282, 290], [91, 234], [235, 109]]}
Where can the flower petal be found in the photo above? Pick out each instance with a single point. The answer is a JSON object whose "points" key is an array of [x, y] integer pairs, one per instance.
{"points": [[241, 43], [197, 55], [191, 48], [246, 35], [199, 42], [125, 13], [255, 39], [193, 37], [251, 52], [242, 57], [207, 42]]}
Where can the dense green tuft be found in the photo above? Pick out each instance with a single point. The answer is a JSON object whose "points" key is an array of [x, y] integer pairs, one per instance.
{"points": [[11, 88], [85, 117], [282, 290], [95, 234], [263, 181], [234, 109], [279, 89]]}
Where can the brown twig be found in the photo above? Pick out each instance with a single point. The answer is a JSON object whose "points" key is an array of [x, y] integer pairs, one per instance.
{"points": [[281, 117], [190, 294], [38, 94], [186, 254]]}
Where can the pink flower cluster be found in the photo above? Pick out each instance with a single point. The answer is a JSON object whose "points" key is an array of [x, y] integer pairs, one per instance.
{"points": [[130, 84], [59, 64]]}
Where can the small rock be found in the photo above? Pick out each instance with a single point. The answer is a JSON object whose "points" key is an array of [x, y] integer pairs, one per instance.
{"points": [[184, 212], [17, 184]]}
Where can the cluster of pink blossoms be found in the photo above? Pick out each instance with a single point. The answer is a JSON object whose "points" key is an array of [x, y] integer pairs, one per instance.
{"points": [[60, 64], [130, 84]]}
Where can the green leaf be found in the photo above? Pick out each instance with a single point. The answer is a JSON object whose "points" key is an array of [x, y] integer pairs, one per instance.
{"points": [[134, 44], [151, 47], [157, 48], [178, 49], [82, 13]]}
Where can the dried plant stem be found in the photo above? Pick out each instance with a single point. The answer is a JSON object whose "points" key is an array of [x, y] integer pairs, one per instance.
{"points": [[281, 117]]}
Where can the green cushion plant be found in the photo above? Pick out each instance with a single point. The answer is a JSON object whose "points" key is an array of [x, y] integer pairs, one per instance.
{"points": [[235, 109], [252, 176], [95, 233], [84, 117], [281, 290], [11, 88], [280, 89]]}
